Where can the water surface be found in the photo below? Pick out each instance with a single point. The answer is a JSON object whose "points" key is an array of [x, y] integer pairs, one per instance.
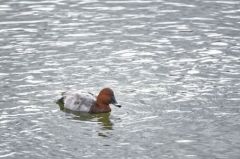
{"points": [[173, 64]]}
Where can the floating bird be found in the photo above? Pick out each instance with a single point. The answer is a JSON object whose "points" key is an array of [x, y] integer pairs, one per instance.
{"points": [[86, 102]]}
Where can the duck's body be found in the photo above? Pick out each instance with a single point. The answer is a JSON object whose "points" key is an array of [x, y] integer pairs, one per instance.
{"points": [[79, 101]]}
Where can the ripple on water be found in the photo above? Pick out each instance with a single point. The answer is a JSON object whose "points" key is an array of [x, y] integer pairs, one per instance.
{"points": [[219, 44]]}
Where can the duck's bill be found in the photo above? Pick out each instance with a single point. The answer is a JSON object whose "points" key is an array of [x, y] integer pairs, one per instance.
{"points": [[114, 102], [117, 105]]}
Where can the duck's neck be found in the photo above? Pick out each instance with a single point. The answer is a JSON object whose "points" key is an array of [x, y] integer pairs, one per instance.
{"points": [[100, 108]]}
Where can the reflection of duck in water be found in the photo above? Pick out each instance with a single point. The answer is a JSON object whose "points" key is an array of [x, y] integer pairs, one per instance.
{"points": [[103, 119], [86, 102]]}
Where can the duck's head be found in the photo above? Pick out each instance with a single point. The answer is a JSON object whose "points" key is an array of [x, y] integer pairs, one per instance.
{"points": [[106, 97]]}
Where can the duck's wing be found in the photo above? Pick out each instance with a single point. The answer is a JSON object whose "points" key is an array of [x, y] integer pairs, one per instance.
{"points": [[78, 101]]}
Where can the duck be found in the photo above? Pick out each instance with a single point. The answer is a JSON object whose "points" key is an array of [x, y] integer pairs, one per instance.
{"points": [[79, 101]]}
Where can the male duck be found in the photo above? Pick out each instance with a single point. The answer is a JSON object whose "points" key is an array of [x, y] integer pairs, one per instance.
{"points": [[87, 102]]}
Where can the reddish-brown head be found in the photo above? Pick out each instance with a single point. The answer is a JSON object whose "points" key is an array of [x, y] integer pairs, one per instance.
{"points": [[106, 97]]}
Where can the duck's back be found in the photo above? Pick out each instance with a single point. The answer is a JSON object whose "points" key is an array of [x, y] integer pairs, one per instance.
{"points": [[78, 101]]}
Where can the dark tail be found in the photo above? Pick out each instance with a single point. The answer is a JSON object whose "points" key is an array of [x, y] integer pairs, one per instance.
{"points": [[60, 103]]}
